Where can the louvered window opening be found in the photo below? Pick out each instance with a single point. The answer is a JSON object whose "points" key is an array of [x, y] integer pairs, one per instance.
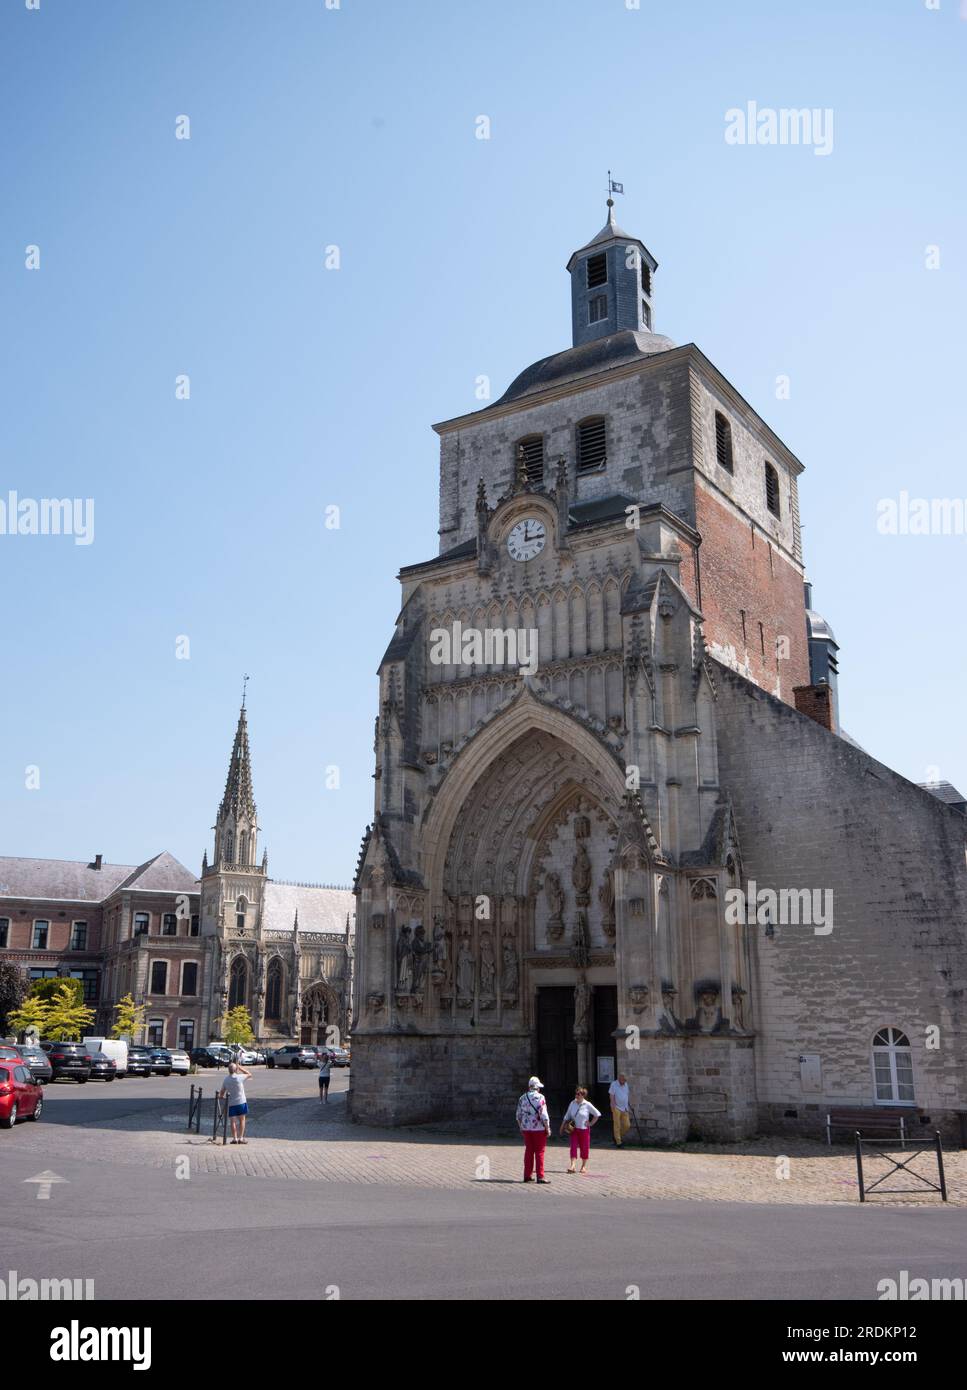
{"points": [[592, 444], [645, 278], [723, 442], [533, 447], [597, 271], [772, 489]]}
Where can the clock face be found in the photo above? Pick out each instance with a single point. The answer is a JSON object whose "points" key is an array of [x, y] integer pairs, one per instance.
{"points": [[527, 539]]}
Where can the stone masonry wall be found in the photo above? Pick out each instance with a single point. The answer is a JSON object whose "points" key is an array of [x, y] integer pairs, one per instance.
{"points": [[400, 1079], [815, 812]]}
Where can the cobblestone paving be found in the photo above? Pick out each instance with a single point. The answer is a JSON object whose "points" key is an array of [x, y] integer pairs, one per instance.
{"points": [[305, 1140]]}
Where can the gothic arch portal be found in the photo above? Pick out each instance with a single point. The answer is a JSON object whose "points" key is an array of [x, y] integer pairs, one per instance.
{"points": [[320, 1012]]}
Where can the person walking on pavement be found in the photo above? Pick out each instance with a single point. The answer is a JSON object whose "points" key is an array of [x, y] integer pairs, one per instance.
{"points": [[620, 1098], [325, 1067], [233, 1090], [579, 1117], [534, 1124]]}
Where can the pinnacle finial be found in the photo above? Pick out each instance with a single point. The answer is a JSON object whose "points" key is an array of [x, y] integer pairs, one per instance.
{"points": [[245, 681]]}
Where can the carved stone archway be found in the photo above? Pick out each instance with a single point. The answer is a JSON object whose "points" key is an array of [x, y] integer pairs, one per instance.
{"points": [[319, 1012]]}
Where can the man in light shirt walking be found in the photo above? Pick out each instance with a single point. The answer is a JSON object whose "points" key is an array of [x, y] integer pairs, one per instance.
{"points": [[620, 1098], [534, 1124]]}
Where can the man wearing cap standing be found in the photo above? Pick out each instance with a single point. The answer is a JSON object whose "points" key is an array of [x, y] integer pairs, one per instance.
{"points": [[534, 1124]]}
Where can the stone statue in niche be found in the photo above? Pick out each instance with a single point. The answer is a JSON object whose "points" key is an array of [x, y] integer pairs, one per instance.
{"points": [[404, 961], [421, 949], [738, 1007], [606, 899], [707, 1014], [466, 972], [441, 952], [488, 972], [581, 871], [582, 1009], [377, 921], [555, 903], [510, 972]]}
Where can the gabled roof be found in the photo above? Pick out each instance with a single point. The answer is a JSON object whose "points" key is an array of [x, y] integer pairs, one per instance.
{"points": [[71, 880]]}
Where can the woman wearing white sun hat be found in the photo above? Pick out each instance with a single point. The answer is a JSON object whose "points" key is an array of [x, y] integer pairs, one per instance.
{"points": [[534, 1124]]}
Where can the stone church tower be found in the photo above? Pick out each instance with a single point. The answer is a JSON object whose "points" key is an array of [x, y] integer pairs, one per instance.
{"points": [[544, 884], [293, 976]]}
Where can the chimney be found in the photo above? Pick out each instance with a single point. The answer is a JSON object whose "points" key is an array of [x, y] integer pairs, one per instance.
{"points": [[97, 861], [816, 702]]}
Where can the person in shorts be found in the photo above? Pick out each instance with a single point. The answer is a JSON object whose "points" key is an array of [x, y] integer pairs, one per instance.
{"points": [[325, 1068], [233, 1090]]}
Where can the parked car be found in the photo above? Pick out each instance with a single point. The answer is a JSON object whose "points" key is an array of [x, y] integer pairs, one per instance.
{"points": [[103, 1068], [139, 1061], [36, 1061], [294, 1057], [115, 1048], [208, 1057], [338, 1056], [21, 1097], [180, 1061], [70, 1059], [160, 1061]]}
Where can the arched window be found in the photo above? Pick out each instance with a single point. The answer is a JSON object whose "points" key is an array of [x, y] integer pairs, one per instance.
{"points": [[238, 983], [892, 1068], [229, 846], [273, 991], [241, 907], [243, 847]]}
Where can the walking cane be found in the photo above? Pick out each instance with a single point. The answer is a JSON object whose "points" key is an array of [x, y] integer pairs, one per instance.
{"points": [[637, 1125]]}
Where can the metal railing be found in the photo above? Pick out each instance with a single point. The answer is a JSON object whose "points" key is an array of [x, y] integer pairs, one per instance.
{"points": [[219, 1114], [900, 1165]]}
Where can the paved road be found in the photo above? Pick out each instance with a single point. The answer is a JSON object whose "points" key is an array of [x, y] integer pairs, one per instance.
{"points": [[146, 1232]]}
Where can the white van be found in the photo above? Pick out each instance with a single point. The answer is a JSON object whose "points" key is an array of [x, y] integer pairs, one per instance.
{"points": [[115, 1048]]}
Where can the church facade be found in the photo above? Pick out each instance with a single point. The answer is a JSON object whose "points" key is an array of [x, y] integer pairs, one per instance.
{"points": [[617, 826], [185, 948]]}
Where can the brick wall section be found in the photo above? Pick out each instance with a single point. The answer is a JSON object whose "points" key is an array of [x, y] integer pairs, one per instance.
{"points": [[815, 701], [815, 812], [741, 570]]}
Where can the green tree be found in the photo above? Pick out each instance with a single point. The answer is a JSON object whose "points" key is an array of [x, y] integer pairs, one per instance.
{"points": [[14, 988], [236, 1026], [49, 989], [128, 1018], [32, 1013], [67, 1019]]}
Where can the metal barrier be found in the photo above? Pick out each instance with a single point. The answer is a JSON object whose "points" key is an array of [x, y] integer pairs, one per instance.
{"points": [[220, 1119], [194, 1109], [898, 1165]]}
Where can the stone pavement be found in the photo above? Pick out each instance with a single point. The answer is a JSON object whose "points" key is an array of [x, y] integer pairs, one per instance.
{"points": [[300, 1138]]}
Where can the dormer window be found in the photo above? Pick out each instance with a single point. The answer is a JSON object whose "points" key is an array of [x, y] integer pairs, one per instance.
{"points": [[532, 448], [592, 444], [597, 308], [723, 442], [597, 271], [772, 489]]}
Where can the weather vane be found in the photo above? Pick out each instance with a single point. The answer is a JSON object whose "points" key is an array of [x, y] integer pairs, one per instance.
{"points": [[245, 681], [613, 188]]}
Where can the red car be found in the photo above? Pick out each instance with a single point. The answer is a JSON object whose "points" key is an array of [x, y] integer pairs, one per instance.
{"points": [[20, 1095]]}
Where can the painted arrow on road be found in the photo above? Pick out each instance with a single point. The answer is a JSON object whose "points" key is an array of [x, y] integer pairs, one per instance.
{"points": [[45, 1182]]}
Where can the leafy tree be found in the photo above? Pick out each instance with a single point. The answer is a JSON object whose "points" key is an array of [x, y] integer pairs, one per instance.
{"points": [[236, 1026], [14, 988], [129, 1018], [67, 1018], [32, 1013], [49, 989]]}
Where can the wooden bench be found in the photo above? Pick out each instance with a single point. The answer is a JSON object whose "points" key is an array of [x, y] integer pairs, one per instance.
{"points": [[870, 1120]]}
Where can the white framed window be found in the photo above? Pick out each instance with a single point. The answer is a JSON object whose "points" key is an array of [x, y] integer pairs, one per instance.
{"points": [[892, 1068], [40, 935], [158, 981], [156, 1032]]}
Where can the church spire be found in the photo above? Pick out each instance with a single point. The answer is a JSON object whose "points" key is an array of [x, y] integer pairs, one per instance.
{"points": [[238, 796], [236, 828]]}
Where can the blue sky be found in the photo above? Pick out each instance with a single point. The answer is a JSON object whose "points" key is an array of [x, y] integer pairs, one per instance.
{"points": [[312, 127]]}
